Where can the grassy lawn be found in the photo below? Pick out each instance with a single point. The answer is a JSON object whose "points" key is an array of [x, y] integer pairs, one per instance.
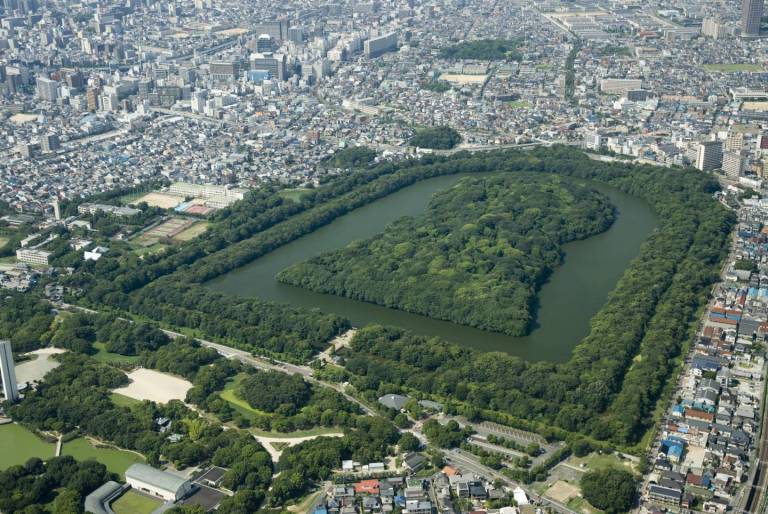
{"points": [[239, 404], [116, 461], [596, 461], [123, 401], [734, 68], [518, 104], [130, 198], [192, 232], [11, 259], [17, 445], [134, 503], [581, 505], [114, 358], [293, 194], [306, 503]]}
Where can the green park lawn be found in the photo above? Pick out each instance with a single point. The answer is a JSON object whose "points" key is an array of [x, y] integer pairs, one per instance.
{"points": [[734, 68], [239, 404], [116, 461], [113, 358], [293, 194], [123, 401], [17, 445], [134, 503]]}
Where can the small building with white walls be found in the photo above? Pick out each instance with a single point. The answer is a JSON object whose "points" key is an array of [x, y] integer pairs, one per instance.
{"points": [[155, 482]]}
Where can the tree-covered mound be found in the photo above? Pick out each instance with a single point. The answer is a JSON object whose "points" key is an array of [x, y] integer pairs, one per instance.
{"points": [[483, 49], [476, 257], [436, 138]]}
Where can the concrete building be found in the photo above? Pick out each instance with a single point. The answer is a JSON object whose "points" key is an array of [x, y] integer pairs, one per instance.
{"points": [[157, 483], [8, 372], [733, 164], [50, 143], [275, 64], [377, 46], [709, 155], [47, 89], [751, 14], [33, 256], [620, 86], [713, 28]]}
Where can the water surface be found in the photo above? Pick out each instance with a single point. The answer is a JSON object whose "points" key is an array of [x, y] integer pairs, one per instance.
{"points": [[567, 302]]}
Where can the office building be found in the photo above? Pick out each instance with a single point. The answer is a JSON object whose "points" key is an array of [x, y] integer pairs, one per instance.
{"points": [[275, 64], [751, 14], [377, 46], [47, 89], [264, 44], [223, 71], [709, 155], [8, 372], [50, 143]]}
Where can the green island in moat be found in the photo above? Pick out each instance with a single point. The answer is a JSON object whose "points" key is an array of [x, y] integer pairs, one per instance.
{"points": [[476, 257]]}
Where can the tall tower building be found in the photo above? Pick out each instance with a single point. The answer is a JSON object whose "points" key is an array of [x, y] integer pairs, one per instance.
{"points": [[751, 13], [710, 155], [8, 372]]}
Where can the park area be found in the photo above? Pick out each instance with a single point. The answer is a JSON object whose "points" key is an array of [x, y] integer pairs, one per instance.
{"points": [[734, 68], [17, 445], [147, 384], [116, 461], [133, 502]]}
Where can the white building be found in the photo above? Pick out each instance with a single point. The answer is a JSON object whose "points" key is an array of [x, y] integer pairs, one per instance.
{"points": [[8, 372], [32, 256], [157, 483]]}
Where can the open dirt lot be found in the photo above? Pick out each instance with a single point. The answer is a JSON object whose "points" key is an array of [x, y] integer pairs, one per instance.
{"points": [[562, 491], [147, 384], [162, 200]]}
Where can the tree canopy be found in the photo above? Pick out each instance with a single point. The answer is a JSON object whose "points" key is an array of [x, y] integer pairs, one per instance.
{"points": [[610, 490]]}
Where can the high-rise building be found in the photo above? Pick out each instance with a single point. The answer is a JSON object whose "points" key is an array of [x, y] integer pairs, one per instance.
{"points": [[710, 155], [264, 43], [751, 14], [47, 89], [49, 143], [734, 142], [733, 164], [8, 372]]}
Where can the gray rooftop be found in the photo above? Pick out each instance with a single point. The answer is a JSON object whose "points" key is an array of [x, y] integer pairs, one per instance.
{"points": [[154, 476]]}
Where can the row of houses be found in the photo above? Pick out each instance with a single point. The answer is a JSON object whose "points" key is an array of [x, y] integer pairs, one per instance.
{"points": [[706, 446]]}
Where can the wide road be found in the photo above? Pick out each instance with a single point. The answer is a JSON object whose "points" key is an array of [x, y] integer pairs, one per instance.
{"points": [[248, 359]]}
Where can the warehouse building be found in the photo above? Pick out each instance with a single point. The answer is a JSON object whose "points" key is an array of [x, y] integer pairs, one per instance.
{"points": [[158, 483]]}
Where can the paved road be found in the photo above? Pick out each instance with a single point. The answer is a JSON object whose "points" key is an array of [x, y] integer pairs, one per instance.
{"points": [[467, 461], [246, 358]]}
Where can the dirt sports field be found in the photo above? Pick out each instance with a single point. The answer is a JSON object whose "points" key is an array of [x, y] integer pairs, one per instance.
{"points": [[147, 384], [162, 200], [165, 230], [562, 491]]}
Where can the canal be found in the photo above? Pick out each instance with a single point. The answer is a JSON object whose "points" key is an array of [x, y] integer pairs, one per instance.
{"points": [[567, 302]]}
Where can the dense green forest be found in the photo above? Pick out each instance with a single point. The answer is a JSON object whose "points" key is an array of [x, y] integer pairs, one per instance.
{"points": [[60, 484], [435, 138], [483, 50], [597, 392], [353, 157], [476, 257]]}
